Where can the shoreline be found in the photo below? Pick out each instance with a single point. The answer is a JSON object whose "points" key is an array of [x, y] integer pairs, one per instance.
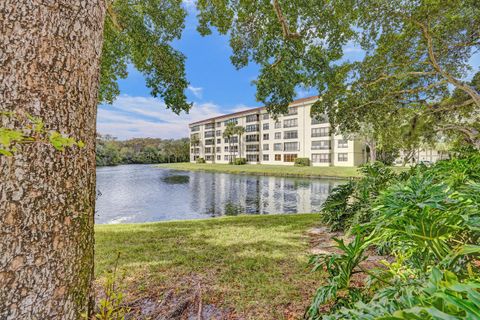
{"points": [[310, 172]]}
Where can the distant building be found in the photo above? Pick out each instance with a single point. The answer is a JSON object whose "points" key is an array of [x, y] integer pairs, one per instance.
{"points": [[281, 141]]}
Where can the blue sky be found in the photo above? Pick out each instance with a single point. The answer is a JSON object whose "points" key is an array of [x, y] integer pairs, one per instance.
{"points": [[216, 88]]}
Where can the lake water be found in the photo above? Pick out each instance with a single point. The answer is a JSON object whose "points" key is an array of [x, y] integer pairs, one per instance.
{"points": [[145, 193]]}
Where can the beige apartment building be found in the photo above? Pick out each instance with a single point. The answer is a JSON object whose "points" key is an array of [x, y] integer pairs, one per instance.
{"points": [[270, 141]]}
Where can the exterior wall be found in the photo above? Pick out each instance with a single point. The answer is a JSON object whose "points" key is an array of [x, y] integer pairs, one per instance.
{"points": [[321, 147], [423, 155]]}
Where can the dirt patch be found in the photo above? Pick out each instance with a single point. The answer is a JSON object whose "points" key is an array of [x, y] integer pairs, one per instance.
{"points": [[186, 300]]}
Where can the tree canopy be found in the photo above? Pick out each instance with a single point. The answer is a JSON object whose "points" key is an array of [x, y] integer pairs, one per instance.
{"points": [[416, 54], [140, 33]]}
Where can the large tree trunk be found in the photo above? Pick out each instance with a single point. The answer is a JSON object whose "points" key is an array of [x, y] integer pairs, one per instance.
{"points": [[49, 67]]}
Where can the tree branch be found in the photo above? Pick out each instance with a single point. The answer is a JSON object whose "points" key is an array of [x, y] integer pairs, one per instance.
{"points": [[412, 73], [287, 34], [111, 14], [433, 60]]}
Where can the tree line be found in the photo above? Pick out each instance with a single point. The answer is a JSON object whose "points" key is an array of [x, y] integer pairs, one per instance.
{"points": [[111, 152]]}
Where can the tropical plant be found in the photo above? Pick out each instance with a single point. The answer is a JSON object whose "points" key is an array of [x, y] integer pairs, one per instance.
{"points": [[428, 220], [340, 268], [350, 204]]}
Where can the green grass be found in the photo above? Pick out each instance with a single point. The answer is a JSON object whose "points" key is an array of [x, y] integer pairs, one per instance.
{"points": [[268, 170], [256, 265]]}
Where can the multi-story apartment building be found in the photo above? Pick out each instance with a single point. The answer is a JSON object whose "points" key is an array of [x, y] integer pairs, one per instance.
{"points": [[270, 141]]}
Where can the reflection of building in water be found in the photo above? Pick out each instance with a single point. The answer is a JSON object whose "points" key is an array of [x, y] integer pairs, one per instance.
{"points": [[214, 193]]}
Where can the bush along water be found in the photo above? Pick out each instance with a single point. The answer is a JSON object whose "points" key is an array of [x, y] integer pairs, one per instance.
{"points": [[302, 162], [428, 221]]}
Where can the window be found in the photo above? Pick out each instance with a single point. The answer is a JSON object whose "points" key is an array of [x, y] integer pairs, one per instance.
{"points": [[277, 147], [266, 136], [290, 123], [289, 157], [319, 120], [278, 125], [290, 146], [252, 137], [209, 126], [292, 111], [195, 128], [226, 157], [253, 158], [321, 145], [219, 141], [218, 133], [219, 149], [252, 147], [209, 134], [219, 157], [265, 157], [208, 150], [278, 157], [266, 147], [226, 149], [343, 143], [266, 126], [208, 158], [209, 142], [219, 124], [252, 128], [278, 135], [290, 134], [252, 118], [265, 116], [321, 157], [233, 120], [342, 157], [320, 132]]}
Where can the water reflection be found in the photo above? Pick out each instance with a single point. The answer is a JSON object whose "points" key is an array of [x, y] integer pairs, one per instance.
{"points": [[141, 193]]}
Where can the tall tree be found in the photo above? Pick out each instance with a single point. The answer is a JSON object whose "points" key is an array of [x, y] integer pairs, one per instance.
{"points": [[415, 51], [50, 61], [239, 131], [228, 134]]}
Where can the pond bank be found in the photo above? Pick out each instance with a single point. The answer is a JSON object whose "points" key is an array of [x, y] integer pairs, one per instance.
{"points": [[269, 170], [244, 267]]}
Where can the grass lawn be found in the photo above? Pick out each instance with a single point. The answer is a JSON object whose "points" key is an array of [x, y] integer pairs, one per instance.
{"points": [[255, 266], [268, 170]]}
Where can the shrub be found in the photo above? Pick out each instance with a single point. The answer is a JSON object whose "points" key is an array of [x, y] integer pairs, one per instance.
{"points": [[200, 160], [429, 219], [302, 162], [240, 161]]}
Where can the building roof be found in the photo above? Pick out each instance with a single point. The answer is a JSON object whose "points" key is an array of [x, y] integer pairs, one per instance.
{"points": [[249, 111]]}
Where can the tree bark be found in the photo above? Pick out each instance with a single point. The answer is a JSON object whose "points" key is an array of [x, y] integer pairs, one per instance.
{"points": [[49, 68], [372, 147]]}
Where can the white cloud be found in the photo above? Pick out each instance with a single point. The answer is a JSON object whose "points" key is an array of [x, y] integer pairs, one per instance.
{"points": [[197, 91], [190, 5], [138, 117], [352, 47]]}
